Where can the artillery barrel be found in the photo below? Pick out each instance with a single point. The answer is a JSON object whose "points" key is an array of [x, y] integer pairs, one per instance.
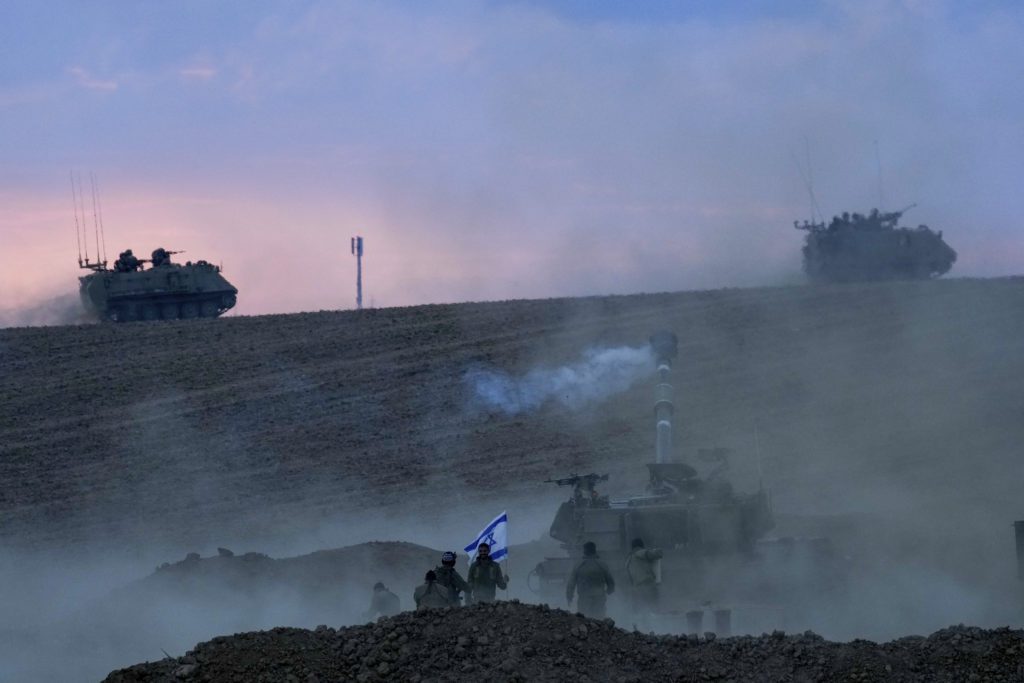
{"points": [[665, 347]]}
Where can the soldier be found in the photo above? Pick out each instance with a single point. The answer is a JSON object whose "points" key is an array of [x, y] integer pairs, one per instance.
{"points": [[592, 580], [121, 264], [160, 257], [430, 595], [449, 577], [485, 576], [640, 568], [131, 262], [384, 603]]}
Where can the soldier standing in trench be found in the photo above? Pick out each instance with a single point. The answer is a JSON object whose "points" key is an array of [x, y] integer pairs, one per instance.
{"points": [[593, 582]]}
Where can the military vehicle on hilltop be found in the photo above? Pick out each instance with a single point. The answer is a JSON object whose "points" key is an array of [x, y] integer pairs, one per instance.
{"points": [[856, 248], [716, 556], [164, 291]]}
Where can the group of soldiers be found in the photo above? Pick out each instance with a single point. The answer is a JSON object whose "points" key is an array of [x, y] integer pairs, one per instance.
{"points": [[443, 586], [127, 262], [591, 581]]}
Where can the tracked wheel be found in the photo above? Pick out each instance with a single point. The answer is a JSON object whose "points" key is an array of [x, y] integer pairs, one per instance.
{"points": [[150, 312], [189, 310], [169, 311], [208, 309]]}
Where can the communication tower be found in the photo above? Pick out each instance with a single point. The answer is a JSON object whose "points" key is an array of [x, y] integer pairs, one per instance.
{"points": [[357, 251]]}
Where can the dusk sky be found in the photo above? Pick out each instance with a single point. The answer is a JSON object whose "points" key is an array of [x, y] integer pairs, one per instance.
{"points": [[501, 149]]}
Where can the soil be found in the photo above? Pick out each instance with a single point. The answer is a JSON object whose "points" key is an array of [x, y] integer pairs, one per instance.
{"points": [[516, 642]]}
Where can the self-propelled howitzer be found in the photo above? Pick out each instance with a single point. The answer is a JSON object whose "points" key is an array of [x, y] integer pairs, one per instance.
{"points": [[712, 536]]}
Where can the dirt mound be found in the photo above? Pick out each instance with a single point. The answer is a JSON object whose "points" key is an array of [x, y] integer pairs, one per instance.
{"points": [[512, 641], [251, 573]]}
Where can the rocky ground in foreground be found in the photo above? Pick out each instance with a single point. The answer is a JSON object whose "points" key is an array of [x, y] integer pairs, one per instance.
{"points": [[517, 642]]}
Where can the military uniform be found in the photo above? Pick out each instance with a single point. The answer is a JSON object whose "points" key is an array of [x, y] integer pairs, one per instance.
{"points": [[431, 595], [593, 582], [449, 578], [161, 257], [384, 603], [640, 568], [484, 578]]}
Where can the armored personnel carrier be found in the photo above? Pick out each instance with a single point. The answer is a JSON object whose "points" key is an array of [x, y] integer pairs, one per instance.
{"points": [[856, 247], [716, 557], [163, 291]]}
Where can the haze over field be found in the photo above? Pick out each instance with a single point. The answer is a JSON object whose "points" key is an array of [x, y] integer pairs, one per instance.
{"points": [[883, 416], [561, 162], [500, 149]]}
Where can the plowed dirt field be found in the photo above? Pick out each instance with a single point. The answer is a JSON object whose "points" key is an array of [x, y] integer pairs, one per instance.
{"points": [[251, 425]]}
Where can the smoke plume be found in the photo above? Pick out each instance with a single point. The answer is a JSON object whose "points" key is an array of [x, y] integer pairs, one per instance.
{"points": [[60, 310], [601, 373]]}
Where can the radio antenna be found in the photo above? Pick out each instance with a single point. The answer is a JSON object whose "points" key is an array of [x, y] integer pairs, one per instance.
{"points": [[85, 226], [878, 163], [95, 216], [78, 229], [103, 232], [810, 180], [808, 177]]}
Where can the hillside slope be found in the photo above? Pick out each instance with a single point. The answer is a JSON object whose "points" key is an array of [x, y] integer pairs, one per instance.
{"points": [[899, 399]]}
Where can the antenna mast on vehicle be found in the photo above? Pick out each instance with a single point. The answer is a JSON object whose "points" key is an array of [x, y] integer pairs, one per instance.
{"points": [[808, 178], [99, 205], [357, 251], [881, 194], [78, 228], [95, 218]]}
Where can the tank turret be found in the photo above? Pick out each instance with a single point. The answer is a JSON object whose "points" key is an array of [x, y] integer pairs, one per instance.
{"points": [[857, 247], [165, 291]]}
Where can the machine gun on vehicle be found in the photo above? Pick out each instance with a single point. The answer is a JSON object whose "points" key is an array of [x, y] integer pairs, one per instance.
{"points": [[580, 480], [584, 491]]}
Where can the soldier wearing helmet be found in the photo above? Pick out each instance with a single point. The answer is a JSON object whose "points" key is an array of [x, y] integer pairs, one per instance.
{"points": [[448, 576], [127, 262]]}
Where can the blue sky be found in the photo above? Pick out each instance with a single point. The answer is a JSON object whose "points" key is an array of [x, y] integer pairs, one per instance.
{"points": [[502, 148]]}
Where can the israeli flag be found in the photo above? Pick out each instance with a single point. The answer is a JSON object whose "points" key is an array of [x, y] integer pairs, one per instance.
{"points": [[495, 535]]}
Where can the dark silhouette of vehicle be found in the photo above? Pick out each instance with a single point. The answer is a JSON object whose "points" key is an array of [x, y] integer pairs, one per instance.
{"points": [[858, 248], [165, 291]]}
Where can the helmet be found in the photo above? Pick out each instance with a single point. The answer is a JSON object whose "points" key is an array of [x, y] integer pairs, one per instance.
{"points": [[448, 557]]}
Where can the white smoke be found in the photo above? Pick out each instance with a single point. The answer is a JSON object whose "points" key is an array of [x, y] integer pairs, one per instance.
{"points": [[601, 373]]}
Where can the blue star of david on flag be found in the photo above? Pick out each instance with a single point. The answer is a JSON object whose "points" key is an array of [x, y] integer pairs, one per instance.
{"points": [[495, 535]]}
